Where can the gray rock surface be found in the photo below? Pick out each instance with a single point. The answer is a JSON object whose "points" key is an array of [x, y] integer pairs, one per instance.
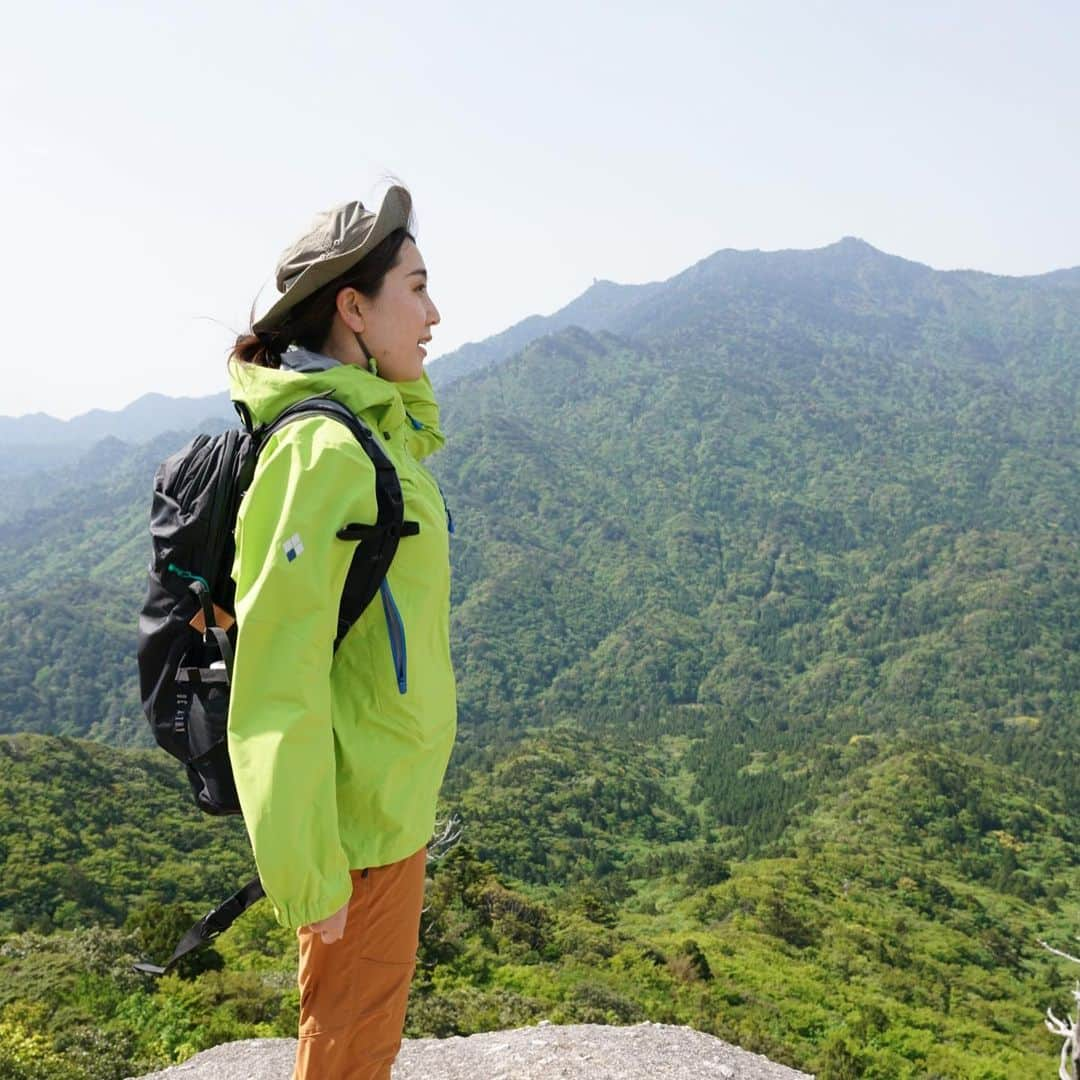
{"points": [[545, 1052]]}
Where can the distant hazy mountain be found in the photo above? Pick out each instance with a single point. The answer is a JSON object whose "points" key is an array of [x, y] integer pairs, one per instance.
{"points": [[38, 441], [142, 419]]}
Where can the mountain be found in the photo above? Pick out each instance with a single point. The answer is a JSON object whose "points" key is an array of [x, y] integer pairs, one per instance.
{"points": [[849, 273], [144, 418], [89, 834], [598, 308], [731, 291], [36, 442], [774, 506], [75, 546], [765, 603], [890, 930]]}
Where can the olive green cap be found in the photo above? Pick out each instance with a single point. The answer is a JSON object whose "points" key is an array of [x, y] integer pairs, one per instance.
{"points": [[337, 240]]}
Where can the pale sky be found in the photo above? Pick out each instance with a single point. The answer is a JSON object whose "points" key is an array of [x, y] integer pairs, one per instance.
{"points": [[156, 158]]}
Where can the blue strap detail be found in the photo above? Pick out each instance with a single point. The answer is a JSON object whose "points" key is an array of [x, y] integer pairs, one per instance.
{"points": [[417, 426], [396, 629]]}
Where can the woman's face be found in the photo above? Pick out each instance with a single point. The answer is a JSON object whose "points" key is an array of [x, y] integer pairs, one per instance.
{"points": [[397, 322]]}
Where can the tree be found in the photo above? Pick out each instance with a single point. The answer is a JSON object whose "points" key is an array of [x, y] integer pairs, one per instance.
{"points": [[1068, 1029], [158, 928]]}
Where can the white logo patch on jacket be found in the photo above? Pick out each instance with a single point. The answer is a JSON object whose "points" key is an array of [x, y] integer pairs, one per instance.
{"points": [[293, 547]]}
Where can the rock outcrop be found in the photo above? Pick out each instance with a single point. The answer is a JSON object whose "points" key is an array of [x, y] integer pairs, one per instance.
{"points": [[545, 1052]]}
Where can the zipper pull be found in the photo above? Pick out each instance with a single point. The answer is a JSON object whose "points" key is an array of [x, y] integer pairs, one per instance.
{"points": [[446, 507]]}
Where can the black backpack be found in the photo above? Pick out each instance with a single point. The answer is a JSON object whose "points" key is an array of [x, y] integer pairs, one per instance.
{"points": [[187, 628]]}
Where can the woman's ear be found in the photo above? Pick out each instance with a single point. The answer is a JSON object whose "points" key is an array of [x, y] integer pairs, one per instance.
{"points": [[349, 307]]}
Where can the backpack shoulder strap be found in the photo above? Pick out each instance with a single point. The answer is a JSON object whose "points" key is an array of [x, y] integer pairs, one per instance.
{"points": [[377, 543]]}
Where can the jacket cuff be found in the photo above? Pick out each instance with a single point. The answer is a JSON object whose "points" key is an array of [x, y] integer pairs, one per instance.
{"points": [[303, 913]]}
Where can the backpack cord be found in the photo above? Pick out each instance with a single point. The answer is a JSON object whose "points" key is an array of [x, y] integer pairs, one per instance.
{"points": [[212, 629]]}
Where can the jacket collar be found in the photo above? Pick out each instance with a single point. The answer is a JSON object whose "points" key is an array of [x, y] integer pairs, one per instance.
{"points": [[305, 361], [267, 391]]}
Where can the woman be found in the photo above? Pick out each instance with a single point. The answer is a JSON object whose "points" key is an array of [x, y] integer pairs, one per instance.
{"points": [[339, 756]]}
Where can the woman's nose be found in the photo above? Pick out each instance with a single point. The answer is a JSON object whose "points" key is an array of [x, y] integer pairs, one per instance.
{"points": [[434, 316]]}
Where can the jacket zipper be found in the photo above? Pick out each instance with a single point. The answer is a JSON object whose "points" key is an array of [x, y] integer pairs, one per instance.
{"points": [[446, 507], [417, 426], [396, 629]]}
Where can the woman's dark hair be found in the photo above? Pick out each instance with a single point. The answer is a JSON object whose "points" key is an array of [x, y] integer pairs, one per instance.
{"points": [[308, 324]]}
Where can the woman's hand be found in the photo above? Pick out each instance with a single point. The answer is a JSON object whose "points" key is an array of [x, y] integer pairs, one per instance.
{"points": [[332, 928]]}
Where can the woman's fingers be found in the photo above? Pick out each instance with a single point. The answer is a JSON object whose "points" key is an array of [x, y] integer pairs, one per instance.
{"points": [[333, 928]]}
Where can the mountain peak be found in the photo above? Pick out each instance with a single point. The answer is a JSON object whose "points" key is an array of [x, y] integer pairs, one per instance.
{"points": [[855, 243], [856, 250]]}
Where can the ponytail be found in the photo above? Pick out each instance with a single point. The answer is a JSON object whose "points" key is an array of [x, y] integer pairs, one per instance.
{"points": [[263, 349]]}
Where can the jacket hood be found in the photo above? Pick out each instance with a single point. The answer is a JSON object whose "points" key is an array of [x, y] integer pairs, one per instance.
{"points": [[383, 404]]}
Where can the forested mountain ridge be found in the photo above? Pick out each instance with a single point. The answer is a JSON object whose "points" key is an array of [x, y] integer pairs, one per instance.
{"points": [[726, 540], [811, 487], [766, 608], [71, 580], [732, 290], [889, 932], [598, 308]]}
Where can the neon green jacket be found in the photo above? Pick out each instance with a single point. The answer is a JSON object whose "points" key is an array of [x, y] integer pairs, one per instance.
{"points": [[338, 758]]}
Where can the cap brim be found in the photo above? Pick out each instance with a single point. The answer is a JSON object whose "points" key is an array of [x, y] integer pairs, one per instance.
{"points": [[393, 214]]}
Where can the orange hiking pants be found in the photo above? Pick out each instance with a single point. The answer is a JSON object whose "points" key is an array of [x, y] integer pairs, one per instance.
{"points": [[353, 993]]}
